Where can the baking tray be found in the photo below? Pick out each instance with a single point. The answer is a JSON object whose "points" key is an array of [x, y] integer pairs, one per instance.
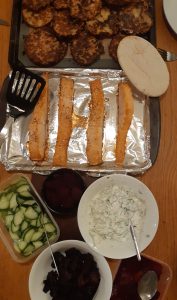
{"points": [[19, 29], [154, 123]]}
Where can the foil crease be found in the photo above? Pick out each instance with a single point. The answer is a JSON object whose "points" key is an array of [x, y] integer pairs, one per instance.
{"points": [[14, 152]]}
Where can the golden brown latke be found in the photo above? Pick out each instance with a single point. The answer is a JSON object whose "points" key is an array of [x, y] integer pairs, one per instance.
{"points": [[64, 25], [124, 2], [35, 5], [43, 48], [105, 24], [113, 46], [61, 4], [86, 49], [85, 9], [134, 19], [38, 19]]}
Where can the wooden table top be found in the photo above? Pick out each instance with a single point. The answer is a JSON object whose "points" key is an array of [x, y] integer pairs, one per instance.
{"points": [[161, 178]]}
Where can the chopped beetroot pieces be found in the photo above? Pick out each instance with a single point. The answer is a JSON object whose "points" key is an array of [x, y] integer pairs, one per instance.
{"points": [[62, 190], [78, 279]]}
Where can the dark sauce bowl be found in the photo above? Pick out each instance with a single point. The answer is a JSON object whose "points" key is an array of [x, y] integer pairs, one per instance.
{"points": [[62, 191]]}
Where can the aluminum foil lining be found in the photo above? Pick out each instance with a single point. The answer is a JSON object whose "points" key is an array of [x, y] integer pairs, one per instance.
{"points": [[14, 152]]}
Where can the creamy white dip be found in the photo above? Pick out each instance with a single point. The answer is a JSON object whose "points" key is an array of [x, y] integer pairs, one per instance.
{"points": [[110, 211]]}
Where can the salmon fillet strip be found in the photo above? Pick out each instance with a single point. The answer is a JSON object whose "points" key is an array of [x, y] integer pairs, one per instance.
{"points": [[38, 127], [95, 124], [125, 115], [65, 104]]}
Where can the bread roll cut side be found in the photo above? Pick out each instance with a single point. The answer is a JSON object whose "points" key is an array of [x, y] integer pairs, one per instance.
{"points": [[125, 115], [38, 127], [95, 124], [65, 106]]}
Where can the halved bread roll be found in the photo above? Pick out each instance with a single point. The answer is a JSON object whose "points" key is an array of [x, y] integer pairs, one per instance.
{"points": [[125, 115], [65, 104], [38, 127], [95, 124]]}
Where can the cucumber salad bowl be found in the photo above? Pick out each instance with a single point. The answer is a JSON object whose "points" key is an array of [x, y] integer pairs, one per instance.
{"points": [[24, 218]]}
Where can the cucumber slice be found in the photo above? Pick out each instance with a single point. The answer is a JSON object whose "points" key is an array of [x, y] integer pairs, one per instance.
{"points": [[28, 235], [14, 228], [14, 235], [30, 213], [13, 201], [24, 225], [8, 220], [49, 227], [23, 188], [29, 202], [4, 202], [37, 244], [25, 194], [29, 250], [18, 217], [22, 244], [37, 236]]}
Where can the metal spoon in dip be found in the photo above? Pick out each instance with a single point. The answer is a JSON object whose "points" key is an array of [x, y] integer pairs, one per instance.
{"points": [[147, 285]]}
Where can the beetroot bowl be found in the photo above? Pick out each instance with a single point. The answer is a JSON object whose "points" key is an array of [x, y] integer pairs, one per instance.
{"points": [[62, 191]]}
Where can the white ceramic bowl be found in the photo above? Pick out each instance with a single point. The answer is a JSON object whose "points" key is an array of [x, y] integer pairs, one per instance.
{"points": [[118, 248], [42, 266]]}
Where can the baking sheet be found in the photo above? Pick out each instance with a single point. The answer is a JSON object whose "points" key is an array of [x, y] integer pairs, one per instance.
{"points": [[14, 152]]}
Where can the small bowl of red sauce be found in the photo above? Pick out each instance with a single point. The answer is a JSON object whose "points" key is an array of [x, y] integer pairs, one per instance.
{"points": [[62, 191]]}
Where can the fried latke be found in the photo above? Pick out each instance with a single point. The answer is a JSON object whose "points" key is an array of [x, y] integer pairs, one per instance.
{"points": [[64, 25], [61, 4], [134, 19], [113, 46], [35, 5], [124, 2], [43, 48], [105, 24], [86, 49], [38, 19], [85, 9]]}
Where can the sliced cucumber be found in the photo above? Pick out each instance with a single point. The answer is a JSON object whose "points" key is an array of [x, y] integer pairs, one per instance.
{"points": [[23, 188], [29, 250], [49, 227], [37, 236], [14, 228], [18, 217], [37, 244], [4, 202], [8, 220], [14, 235], [22, 245], [29, 202], [17, 248], [28, 235], [13, 201], [30, 213], [24, 225]]}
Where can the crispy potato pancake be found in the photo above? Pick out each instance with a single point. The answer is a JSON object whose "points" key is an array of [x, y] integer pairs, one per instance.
{"points": [[134, 19], [61, 4], [86, 49], [105, 24], [35, 5], [95, 124], [125, 115], [64, 25], [43, 48], [85, 9], [65, 104], [38, 19]]}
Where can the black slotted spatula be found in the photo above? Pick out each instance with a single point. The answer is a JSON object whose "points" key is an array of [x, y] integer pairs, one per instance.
{"points": [[23, 91]]}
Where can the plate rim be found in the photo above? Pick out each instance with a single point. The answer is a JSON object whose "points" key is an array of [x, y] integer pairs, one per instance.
{"points": [[172, 22]]}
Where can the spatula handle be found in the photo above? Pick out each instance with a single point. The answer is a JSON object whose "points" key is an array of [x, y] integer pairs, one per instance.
{"points": [[5, 130]]}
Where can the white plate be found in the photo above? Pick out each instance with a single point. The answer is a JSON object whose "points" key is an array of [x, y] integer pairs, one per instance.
{"points": [[42, 266], [170, 11], [112, 248]]}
